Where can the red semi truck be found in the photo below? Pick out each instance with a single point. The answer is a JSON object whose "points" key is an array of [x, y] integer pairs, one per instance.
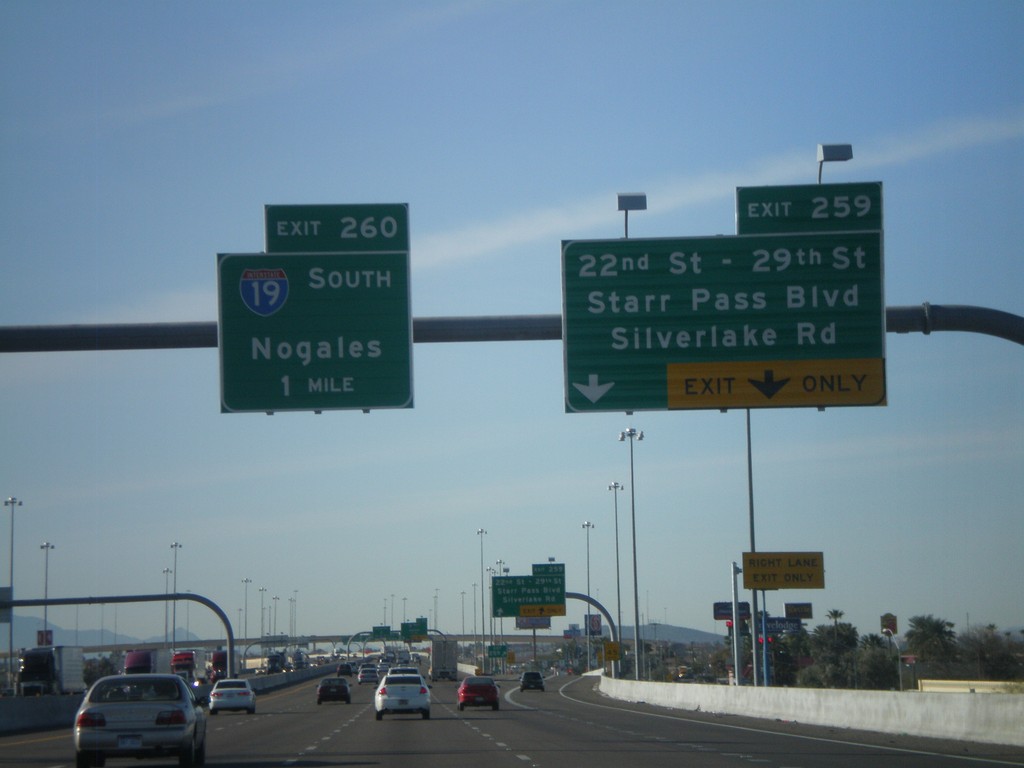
{"points": [[190, 666], [218, 666]]}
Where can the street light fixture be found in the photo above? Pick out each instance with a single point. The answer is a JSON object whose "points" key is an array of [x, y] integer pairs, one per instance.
{"points": [[587, 525], [11, 502], [631, 434], [46, 546], [833, 153], [615, 488], [174, 603], [631, 201]]}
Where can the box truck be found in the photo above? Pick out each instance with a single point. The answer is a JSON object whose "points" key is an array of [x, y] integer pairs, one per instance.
{"points": [[53, 669], [147, 661], [444, 660]]}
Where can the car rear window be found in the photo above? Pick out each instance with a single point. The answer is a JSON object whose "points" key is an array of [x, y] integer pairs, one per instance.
{"points": [[231, 684], [479, 681], [403, 680], [136, 690]]}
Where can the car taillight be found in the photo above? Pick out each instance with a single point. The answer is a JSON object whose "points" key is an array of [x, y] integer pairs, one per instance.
{"points": [[423, 689], [383, 691], [91, 720], [216, 695], [171, 717]]}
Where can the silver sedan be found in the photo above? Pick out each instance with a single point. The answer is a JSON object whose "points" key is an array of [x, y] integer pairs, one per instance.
{"points": [[140, 716]]}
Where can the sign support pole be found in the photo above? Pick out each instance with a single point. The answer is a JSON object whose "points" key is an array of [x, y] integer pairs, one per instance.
{"points": [[753, 548], [735, 625]]}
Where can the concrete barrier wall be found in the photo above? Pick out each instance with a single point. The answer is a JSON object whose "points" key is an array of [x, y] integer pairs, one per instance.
{"points": [[986, 718], [34, 713]]}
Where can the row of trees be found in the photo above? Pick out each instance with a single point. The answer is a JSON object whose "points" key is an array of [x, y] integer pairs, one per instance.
{"points": [[835, 656]]}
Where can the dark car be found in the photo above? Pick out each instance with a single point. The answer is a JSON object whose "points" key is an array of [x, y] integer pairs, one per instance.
{"points": [[531, 681], [478, 692], [333, 689], [345, 669]]}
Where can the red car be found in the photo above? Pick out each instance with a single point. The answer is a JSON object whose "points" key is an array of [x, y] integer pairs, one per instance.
{"points": [[478, 692]]}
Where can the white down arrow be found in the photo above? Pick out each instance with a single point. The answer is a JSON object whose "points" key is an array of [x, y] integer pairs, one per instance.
{"points": [[592, 390]]}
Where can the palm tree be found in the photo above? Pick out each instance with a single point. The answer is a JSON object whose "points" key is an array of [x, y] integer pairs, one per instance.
{"points": [[835, 614], [932, 640]]}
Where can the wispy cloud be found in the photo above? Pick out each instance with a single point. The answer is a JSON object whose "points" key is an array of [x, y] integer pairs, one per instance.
{"points": [[480, 240]]}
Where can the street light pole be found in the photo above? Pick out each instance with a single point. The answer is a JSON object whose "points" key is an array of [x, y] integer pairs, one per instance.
{"points": [[167, 573], [174, 603], [615, 488], [46, 546], [263, 591], [483, 610], [245, 629], [11, 502], [587, 525], [632, 435]]}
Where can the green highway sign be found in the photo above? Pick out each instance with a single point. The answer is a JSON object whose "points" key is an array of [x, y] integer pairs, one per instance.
{"points": [[747, 321], [315, 331], [497, 651], [415, 631], [346, 228], [809, 208], [549, 569], [541, 594]]}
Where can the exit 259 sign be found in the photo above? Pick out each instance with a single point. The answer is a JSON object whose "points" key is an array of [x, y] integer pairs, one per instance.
{"points": [[755, 321]]}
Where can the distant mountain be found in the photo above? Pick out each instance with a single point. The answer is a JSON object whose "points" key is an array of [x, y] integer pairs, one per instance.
{"points": [[25, 628]]}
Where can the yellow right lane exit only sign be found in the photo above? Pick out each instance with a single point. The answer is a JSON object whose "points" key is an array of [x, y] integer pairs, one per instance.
{"points": [[783, 570]]}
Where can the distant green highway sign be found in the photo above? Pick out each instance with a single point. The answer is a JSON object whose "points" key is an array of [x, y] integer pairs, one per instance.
{"points": [[809, 208], [723, 322]]}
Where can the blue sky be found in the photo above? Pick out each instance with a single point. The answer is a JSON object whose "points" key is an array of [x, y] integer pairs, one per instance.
{"points": [[139, 140]]}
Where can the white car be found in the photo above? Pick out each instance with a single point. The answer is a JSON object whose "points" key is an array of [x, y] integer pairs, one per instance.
{"points": [[403, 694], [232, 694]]}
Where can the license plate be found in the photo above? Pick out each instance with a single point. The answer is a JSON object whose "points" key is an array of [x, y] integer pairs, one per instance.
{"points": [[479, 698], [403, 702], [129, 742]]}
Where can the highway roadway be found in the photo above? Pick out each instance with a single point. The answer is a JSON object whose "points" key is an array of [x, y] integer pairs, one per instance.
{"points": [[569, 725]]}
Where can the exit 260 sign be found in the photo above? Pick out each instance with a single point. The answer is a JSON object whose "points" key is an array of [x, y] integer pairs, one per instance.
{"points": [[322, 320]]}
